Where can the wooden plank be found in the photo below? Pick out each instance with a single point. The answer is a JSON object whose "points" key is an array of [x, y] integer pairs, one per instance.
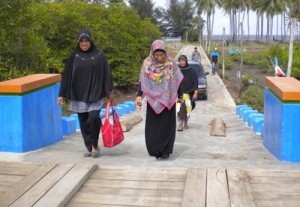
{"points": [[158, 193], [42, 187], [6, 181], [276, 196], [271, 180], [119, 200], [9, 179], [136, 184], [132, 187], [286, 88], [28, 83], [150, 175], [17, 190], [130, 122], [61, 193], [17, 168], [284, 203], [276, 188], [92, 205], [239, 188], [195, 187], [273, 173], [217, 189]]}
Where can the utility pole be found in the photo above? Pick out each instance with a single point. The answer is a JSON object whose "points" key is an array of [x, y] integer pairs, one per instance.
{"points": [[223, 55], [291, 46], [241, 55]]}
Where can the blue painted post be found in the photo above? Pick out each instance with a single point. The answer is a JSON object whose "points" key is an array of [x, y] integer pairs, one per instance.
{"points": [[281, 118], [68, 125], [120, 110], [252, 117], [246, 113], [29, 116], [75, 116], [258, 125], [131, 104], [241, 109], [238, 107]]}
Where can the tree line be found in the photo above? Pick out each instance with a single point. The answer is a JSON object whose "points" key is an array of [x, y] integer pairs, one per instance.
{"points": [[38, 35]]}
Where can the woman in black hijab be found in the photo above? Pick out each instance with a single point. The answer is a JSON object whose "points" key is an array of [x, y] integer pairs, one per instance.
{"points": [[86, 81], [189, 87]]}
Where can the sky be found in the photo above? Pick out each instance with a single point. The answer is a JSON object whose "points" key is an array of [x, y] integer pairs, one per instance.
{"points": [[221, 20]]}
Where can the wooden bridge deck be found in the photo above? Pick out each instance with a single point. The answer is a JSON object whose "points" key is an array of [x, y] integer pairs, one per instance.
{"points": [[87, 185]]}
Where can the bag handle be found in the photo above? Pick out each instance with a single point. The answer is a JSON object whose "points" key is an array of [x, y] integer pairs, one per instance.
{"points": [[109, 103]]}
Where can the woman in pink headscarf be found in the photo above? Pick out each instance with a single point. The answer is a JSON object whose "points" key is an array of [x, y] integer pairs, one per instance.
{"points": [[160, 79]]}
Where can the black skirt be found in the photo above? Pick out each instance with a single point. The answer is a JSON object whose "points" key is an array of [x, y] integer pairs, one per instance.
{"points": [[160, 131]]}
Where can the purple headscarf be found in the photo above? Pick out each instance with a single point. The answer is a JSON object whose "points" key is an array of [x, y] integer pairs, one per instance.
{"points": [[160, 82]]}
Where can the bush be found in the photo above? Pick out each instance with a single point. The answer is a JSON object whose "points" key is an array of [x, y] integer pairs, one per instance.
{"points": [[249, 59], [39, 37], [253, 97], [228, 63], [248, 80]]}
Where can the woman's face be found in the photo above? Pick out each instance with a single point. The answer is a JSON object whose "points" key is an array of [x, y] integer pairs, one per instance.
{"points": [[182, 63], [160, 56], [84, 44]]}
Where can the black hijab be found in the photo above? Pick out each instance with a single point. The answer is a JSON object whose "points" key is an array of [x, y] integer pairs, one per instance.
{"points": [[190, 80], [87, 76]]}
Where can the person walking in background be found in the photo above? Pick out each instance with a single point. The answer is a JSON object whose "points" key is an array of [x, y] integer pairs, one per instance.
{"points": [[196, 55], [86, 81], [214, 57], [159, 80], [189, 88]]}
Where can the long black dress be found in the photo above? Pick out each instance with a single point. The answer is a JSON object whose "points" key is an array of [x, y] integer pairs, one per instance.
{"points": [[160, 131]]}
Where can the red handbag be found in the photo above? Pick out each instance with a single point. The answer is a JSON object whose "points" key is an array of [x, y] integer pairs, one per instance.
{"points": [[112, 133]]}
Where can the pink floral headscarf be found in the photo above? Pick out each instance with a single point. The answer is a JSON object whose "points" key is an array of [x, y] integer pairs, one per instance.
{"points": [[160, 82]]}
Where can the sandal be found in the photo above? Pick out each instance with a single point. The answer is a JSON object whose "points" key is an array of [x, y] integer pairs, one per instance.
{"points": [[95, 154], [87, 154], [179, 129]]}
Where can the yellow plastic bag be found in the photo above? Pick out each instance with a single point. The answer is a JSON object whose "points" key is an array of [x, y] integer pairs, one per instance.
{"points": [[188, 104], [187, 100]]}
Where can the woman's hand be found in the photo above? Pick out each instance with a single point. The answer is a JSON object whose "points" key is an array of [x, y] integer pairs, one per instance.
{"points": [[110, 97], [180, 100], [60, 101], [138, 102], [195, 95]]}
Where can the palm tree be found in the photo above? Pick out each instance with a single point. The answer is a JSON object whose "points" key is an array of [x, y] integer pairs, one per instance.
{"points": [[229, 8], [248, 5], [234, 8], [272, 7], [207, 6]]}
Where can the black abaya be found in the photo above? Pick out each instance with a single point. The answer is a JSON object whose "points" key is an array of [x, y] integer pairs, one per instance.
{"points": [[160, 131]]}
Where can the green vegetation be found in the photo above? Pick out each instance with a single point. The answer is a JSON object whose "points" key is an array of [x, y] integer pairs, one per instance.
{"points": [[260, 56], [38, 37], [281, 52], [253, 96]]}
